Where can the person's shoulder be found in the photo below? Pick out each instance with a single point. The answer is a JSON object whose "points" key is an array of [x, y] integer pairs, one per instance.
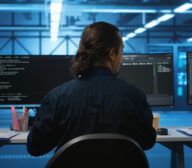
{"points": [[130, 88], [59, 91]]}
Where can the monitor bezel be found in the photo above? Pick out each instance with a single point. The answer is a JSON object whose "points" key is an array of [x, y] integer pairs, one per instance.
{"points": [[187, 71]]}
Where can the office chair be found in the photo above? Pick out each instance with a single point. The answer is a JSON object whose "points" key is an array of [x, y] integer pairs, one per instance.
{"points": [[99, 151]]}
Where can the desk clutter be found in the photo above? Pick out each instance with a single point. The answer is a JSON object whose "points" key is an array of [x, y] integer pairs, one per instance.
{"points": [[162, 131], [156, 120], [20, 119], [6, 134], [186, 131]]}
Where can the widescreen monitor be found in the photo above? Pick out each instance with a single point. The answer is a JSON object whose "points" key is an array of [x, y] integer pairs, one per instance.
{"points": [[25, 80], [189, 78], [151, 73]]}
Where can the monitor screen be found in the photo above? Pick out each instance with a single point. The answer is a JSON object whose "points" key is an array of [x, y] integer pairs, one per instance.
{"points": [[189, 78], [27, 79], [151, 73]]}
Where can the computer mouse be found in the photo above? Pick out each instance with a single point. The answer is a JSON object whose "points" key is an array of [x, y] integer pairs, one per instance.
{"points": [[162, 131]]}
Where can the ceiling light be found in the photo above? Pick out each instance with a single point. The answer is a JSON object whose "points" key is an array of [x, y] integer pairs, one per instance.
{"points": [[152, 24], [55, 17], [54, 31], [140, 30], [189, 39], [56, 7], [130, 35], [165, 17], [55, 25], [125, 38], [55, 14], [183, 8], [54, 36], [120, 10]]}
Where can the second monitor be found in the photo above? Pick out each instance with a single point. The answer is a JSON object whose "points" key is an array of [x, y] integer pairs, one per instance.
{"points": [[153, 74], [25, 80], [189, 78]]}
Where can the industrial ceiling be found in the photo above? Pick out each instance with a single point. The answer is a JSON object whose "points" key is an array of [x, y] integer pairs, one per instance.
{"points": [[128, 15]]}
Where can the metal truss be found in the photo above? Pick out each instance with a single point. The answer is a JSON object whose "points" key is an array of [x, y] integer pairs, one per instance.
{"points": [[15, 38], [172, 33], [67, 40], [79, 8]]}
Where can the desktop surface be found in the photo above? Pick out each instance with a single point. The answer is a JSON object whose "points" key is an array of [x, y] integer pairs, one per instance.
{"points": [[173, 136]]}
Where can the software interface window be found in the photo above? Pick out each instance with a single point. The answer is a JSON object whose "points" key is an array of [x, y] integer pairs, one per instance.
{"points": [[152, 73], [26, 80], [189, 77]]}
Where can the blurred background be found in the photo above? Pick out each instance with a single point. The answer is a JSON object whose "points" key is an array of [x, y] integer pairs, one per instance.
{"points": [[54, 27]]}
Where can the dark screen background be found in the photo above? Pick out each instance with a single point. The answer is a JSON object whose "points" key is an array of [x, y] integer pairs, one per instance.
{"points": [[36, 77], [151, 73]]}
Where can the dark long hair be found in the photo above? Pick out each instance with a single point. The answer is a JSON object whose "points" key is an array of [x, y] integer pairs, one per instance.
{"points": [[96, 42]]}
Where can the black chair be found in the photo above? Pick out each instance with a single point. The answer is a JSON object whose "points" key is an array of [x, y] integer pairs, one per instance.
{"points": [[99, 151]]}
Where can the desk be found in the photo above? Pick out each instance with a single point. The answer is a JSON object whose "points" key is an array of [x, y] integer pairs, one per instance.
{"points": [[174, 141], [21, 138]]}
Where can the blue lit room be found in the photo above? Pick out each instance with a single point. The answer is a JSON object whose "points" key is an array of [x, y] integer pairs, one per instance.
{"points": [[42, 85]]}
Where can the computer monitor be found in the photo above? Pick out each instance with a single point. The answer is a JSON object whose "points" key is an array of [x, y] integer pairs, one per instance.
{"points": [[189, 78], [151, 73], [25, 80]]}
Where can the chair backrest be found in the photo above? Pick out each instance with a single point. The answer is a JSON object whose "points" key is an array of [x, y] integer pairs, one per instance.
{"points": [[101, 151]]}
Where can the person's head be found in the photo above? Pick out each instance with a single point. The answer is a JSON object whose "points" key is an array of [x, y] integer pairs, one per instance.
{"points": [[100, 45]]}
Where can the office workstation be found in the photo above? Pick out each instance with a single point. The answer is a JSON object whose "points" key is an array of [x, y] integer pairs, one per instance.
{"points": [[37, 50], [174, 141]]}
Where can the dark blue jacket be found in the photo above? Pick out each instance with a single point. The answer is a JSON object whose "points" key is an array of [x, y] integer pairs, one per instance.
{"points": [[96, 102]]}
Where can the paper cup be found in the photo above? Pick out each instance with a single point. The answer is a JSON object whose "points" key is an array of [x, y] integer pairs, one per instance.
{"points": [[156, 119]]}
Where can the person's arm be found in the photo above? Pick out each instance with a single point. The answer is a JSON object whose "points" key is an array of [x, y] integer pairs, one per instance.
{"points": [[146, 134], [43, 136]]}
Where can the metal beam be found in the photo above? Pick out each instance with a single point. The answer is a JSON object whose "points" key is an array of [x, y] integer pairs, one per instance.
{"points": [[81, 27], [22, 7], [77, 9], [78, 36], [24, 28]]}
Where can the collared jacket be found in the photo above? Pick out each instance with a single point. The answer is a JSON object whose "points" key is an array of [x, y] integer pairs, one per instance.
{"points": [[95, 102]]}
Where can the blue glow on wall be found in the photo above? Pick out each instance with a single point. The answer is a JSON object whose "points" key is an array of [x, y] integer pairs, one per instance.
{"points": [[179, 91], [182, 60], [181, 75], [182, 78]]}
